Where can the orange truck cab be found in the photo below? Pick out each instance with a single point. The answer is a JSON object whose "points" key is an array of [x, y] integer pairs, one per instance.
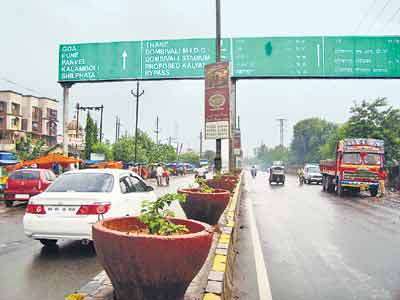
{"points": [[358, 166]]}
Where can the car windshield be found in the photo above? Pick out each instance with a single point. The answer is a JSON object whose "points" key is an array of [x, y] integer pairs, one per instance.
{"points": [[83, 182], [372, 159], [313, 170], [352, 158], [25, 175]]}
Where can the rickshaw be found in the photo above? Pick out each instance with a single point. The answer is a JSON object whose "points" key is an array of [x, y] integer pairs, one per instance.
{"points": [[277, 175]]}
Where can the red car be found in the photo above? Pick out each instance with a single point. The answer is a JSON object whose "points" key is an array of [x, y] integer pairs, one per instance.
{"points": [[25, 183]]}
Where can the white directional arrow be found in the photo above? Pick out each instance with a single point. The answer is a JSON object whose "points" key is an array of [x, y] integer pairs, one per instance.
{"points": [[124, 56]]}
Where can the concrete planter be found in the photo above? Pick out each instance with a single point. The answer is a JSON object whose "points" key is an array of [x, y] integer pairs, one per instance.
{"points": [[205, 207], [150, 267], [222, 183]]}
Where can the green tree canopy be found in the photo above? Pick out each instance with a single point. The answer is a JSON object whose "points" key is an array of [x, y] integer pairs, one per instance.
{"points": [[376, 119], [103, 148], [28, 149], [190, 157], [266, 156], [309, 136], [90, 135]]}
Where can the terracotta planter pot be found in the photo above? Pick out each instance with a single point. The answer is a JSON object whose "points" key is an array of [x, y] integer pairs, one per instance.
{"points": [[222, 183], [205, 207], [150, 267]]}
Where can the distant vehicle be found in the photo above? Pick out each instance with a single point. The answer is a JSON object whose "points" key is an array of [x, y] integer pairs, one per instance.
{"points": [[312, 174], [201, 172], [25, 183], [78, 199], [6, 159], [277, 174], [358, 166]]}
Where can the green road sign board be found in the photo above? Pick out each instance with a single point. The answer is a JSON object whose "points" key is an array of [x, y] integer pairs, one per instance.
{"points": [[277, 56], [265, 57], [166, 59]]}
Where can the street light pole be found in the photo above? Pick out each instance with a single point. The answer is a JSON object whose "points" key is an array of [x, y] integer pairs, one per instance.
{"points": [[101, 123], [218, 159], [137, 95]]}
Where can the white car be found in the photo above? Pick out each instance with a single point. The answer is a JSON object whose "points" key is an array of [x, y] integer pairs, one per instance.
{"points": [[78, 199]]}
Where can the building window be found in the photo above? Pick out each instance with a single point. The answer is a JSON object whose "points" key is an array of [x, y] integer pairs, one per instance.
{"points": [[2, 123], [36, 113], [36, 127], [52, 114], [3, 107], [15, 123], [24, 124], [15, 109]]}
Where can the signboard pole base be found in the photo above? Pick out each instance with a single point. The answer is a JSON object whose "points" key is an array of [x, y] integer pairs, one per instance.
{"points": [[218, 159]]}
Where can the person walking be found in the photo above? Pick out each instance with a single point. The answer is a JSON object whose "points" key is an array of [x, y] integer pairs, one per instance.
{"points": [[159, 174]]}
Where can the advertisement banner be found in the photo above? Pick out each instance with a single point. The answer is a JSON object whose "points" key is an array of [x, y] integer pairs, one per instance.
{"points": [[217, 98], [237, 143]]}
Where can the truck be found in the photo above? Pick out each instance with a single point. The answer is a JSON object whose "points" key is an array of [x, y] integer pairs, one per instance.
{"points": [[359, 166]]}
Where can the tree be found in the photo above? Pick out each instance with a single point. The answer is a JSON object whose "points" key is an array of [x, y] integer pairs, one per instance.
{"points": [[124, 150], [209, 155], [162, 153], [266, 156], [103, 148], [308, 137], [376, 119], [28, 148], [90, 135], [189, 157]]}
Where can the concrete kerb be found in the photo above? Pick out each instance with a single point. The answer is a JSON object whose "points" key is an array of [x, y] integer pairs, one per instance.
{"points": [[219, 264], [220, 278]]}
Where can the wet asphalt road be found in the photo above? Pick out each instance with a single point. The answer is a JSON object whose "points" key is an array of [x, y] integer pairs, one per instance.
{"points": [[29, 271], [318, 246]]}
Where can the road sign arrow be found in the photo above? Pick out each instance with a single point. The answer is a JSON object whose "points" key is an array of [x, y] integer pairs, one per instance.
{"points": [[124, 56]]}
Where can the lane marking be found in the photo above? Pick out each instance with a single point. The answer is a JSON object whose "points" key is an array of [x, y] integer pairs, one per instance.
{"points": [[264, 289]]}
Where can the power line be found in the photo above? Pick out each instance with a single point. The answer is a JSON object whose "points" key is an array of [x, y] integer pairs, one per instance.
{"points": [[19, 85], [392, 18], [379, 15], [365, 15]]}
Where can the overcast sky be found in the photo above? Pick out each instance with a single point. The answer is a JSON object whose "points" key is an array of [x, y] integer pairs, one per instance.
{"points": [[31, 31]]}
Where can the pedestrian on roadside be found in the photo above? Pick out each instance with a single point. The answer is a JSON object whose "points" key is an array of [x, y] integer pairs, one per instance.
{"points": [[166, 176], [159, 174], [382, 179]]}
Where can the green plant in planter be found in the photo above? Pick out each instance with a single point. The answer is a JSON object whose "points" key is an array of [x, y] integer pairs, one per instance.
{"points": [[155, 215], [203, 186]]}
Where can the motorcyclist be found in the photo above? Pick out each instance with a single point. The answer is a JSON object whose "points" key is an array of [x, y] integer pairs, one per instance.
{"points": [[253, 171]]}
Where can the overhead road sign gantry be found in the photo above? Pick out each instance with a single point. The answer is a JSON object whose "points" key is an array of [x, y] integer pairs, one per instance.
{"points": [[260, 57]]}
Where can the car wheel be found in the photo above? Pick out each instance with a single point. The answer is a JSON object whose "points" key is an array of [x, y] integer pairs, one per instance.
{"points": [[48, 243], [9, 203]]}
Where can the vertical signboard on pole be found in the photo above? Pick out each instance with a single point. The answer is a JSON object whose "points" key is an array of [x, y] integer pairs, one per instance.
{"points": [[217, 95], [237, 143]]}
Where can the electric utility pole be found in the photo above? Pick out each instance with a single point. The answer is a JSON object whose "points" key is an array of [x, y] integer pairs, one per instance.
{"points": [[158, 130], [117, 128], [281, 130], [95, 108], [201, 144], [137, 95]]}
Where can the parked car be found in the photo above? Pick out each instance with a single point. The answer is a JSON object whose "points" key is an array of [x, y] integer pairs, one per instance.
{"points": [[25, 183], [312, 174], [78, 199]]}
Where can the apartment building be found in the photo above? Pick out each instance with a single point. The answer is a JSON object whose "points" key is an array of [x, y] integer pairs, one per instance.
{"points": [[22, 115]]}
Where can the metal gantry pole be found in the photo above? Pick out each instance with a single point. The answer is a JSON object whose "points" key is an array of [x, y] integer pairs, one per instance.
{"points": [[218, 154], [66, 86], [137, 95]]}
